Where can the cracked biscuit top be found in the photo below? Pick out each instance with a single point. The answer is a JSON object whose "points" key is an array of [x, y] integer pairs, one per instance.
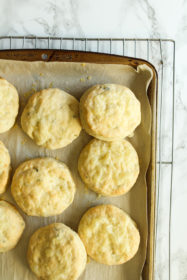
{"points": [[11, 226], [4, 167], [56, 252], [110, 236], [109, 168], [109, 112], [9, 105], [51, 118], [43, 187]]}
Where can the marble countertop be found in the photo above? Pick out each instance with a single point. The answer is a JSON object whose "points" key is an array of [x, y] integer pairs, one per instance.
{"points": [[129, 19]]}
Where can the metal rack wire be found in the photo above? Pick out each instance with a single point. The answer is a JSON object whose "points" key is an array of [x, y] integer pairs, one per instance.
{"points": [[161, 53]]}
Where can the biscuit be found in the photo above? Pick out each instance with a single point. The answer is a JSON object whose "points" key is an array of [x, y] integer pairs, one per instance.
{"points": [[9, 105], [110, 236], [4, 167], [11, 226], [51, 118], [109, 168], [43, 187], [56, 252], [109, 112]]}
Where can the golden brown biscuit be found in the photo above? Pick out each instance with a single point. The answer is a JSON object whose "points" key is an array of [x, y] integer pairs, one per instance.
{"points": [[9, 105], [43, 187], [110, 236], [109, 112], [4, 167], [109, 168], [11, 226], [56, 252], [51, 118]]}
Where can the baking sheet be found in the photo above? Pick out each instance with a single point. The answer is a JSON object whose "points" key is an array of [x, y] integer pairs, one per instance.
{"points": [[75, 78]]}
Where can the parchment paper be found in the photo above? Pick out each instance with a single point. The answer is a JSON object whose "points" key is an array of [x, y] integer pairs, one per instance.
{"points": [[75, 78]]}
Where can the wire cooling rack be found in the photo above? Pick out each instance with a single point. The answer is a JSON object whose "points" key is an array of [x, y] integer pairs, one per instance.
{"points": [[161, 53]]}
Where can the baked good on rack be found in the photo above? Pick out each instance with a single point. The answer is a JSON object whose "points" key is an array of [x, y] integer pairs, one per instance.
{"points": [[109, 168], [109, 112], [51, 118], [4, 167], [56, 252], [9, 105], [110, 236], [11, 226], [43, 187]]}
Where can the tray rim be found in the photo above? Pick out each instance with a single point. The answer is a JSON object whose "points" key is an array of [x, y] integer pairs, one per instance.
{"points": [[32, 55]]}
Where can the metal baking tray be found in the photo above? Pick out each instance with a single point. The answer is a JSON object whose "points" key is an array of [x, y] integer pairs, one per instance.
{"points": [[91, 57]]}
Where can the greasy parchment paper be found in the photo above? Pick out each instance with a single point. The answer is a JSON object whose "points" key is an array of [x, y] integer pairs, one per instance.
{"points": [[75, 78]]}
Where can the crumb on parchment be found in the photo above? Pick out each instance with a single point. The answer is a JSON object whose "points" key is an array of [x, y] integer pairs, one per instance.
{"points": [[3, 196], [31, 91], [88, 259], [28, 93], [89, 77], [23, 141], [50, 85], [15, 125], [99, 196]]}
